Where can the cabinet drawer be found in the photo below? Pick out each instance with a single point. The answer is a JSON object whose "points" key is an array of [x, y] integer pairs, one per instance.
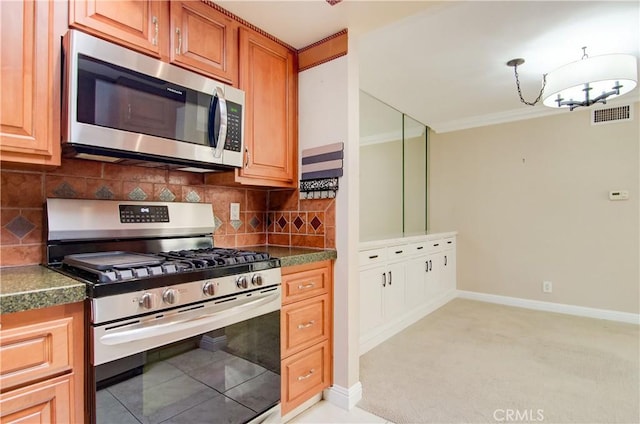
{"points": [[305, 281], [304, 375], [50, 401], [449, 243], [304, 324], [418, 248], [34, 352], [372, 256], [397, 252]]}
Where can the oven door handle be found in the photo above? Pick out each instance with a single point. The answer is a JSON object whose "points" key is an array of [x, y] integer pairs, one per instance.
{"points": [[156, 330]]}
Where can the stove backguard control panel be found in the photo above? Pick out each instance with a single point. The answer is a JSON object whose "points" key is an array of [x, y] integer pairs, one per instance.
{"points": [[139, 213]]}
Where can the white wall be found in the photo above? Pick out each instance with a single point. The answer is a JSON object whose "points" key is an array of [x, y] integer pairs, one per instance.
{"points": [[530, 202], [328, 113]]}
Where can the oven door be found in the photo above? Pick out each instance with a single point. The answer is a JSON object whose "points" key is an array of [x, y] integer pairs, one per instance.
{"points": [[213, 362]]}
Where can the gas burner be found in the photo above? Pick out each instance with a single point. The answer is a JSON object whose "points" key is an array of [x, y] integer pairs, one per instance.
{"points": [[217, 256]]}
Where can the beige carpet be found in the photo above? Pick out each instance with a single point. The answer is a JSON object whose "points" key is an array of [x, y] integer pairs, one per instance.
{"points": [[475, 362]]}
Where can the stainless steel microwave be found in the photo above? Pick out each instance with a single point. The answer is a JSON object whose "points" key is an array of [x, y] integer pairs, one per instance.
{"points": [[122, 106]]}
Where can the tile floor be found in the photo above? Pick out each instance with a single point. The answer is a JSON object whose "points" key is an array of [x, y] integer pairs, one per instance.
{"points": [[324, 413]]}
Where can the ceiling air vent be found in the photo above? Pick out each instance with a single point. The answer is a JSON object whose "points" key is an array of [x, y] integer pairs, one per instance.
{"points": [[610, 115]]}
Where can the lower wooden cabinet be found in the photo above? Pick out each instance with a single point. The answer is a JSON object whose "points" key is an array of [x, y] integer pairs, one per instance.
{"points": [[306, 332], [305, 374], [42, 368], [46, 402]]}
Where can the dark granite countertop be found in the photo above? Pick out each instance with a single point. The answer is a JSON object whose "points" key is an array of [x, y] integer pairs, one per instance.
{"points": [[32, 287], [290, 256]]}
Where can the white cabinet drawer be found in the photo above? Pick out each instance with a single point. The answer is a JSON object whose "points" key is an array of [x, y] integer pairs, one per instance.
{"points": [[449, 243], [397, 252], [372, 256], [435, 245], [418, 248]]}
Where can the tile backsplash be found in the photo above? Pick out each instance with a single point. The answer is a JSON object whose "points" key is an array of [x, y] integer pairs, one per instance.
{"points": [[275, 217]]}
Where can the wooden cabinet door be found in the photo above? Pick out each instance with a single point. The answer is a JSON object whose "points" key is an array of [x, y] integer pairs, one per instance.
{"points": [[205, 40], [30, 82], [137, 24], [268, 77], [48, 402]]}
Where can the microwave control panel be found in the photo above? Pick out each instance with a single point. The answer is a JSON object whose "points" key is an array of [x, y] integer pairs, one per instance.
{"points": [[234, 127]]}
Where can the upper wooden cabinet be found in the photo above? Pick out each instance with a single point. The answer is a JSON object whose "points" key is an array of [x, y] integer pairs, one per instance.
{"points": [[187, 33], [139, 24], [204, 39], [268, 76], [30, 81]]}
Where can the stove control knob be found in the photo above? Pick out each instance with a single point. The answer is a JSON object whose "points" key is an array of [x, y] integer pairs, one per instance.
{"points": [[147, 301], [256, 280], [170, 296], [241, 282], [209, 288]]}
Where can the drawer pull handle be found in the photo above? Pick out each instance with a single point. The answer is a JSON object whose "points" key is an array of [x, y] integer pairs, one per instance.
{"points": [[306, 286], [307, 325], [436, 244], [373, 256], [398, 252], [449, 242], [420, 247], [304, 377]]}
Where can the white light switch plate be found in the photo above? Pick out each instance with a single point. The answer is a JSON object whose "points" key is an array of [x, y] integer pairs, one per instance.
{"points": [[234, 212]]}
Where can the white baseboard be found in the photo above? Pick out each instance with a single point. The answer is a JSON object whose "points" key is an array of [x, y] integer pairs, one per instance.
{"points": [[552, 307], [345, 398], [382, 333]]}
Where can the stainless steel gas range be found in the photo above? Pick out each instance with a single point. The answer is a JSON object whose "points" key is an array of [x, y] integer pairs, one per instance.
{"points": [[179, 331]]}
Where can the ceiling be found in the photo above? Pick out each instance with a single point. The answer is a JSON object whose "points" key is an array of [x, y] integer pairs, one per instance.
{"points": [[444, 63]]}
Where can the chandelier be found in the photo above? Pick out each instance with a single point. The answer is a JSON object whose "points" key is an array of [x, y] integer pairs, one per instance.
{"points": [[585, 82]]}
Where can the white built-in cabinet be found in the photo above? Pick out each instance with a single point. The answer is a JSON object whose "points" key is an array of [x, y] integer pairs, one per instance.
{"points": [[401, 281]]}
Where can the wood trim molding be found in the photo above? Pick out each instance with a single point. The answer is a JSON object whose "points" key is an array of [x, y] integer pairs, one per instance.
{"points": [[323, 51], [246, 24]]}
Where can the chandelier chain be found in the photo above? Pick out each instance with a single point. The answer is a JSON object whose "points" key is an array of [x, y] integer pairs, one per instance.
{"points": [[544, 83]]}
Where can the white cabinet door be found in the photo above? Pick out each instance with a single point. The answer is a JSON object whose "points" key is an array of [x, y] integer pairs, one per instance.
{"points": [[416, 279], [432, 277], [449, 270], [394, 291], [371, 297]]}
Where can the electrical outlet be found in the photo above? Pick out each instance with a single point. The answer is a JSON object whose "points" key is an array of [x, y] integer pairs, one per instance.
{"points": [[547, 286], [234, 212]]}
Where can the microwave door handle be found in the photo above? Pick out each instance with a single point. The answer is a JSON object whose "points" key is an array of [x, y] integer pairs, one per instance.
{"points": [[218, 143]]}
